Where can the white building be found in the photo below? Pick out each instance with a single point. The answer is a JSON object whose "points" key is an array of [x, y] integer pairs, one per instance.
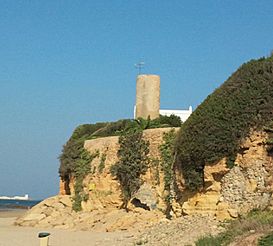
{"points": [[183, 114]]}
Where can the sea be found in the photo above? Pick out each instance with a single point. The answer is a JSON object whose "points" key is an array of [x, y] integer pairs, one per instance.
{"points": [[10, 204]]}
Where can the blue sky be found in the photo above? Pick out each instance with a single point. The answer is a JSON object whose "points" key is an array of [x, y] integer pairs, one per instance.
{"points": [[65, 63]]}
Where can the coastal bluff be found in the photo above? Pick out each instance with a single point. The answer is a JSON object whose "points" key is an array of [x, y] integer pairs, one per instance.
{"points": [[227, 193], [101, 211], [104, 190]]}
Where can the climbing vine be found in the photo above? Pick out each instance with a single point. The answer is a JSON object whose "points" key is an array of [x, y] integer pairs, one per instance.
{"points": [[133, 162], [155, 167], [167, 162], [82, 168]]}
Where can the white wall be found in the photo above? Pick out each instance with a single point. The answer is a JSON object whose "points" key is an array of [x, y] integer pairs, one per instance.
{"points": [[183, 114]]}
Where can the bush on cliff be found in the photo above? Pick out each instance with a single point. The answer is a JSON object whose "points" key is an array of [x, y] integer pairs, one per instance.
{"points": [[217, 126], [72, 150]]}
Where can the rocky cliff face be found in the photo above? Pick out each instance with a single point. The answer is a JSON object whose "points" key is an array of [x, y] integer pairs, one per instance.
{"points": [[227, 192], [230, 192]]}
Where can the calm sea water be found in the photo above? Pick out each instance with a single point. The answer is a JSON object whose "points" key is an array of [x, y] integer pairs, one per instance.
{"points": [[6, 204]]}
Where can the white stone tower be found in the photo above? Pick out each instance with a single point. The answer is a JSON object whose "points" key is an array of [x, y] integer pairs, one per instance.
{"points": [[147, 96]]}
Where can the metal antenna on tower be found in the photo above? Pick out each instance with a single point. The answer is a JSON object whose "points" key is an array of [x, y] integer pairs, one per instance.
{"points": [[139, 66]]}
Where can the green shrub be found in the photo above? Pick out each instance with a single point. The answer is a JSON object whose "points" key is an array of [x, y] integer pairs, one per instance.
{"points": [[72, 150], [215, 129], [209, 241], [102, 162], [266, 240], [133, 162], [172, 120]]}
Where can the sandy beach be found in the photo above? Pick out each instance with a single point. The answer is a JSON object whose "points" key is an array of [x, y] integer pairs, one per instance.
{"points": [[11, 235]]}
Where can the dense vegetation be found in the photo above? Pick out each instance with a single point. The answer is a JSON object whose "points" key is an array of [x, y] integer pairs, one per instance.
{"points": [[71, 153], [133, 162], [217, 126], [72, 150]]}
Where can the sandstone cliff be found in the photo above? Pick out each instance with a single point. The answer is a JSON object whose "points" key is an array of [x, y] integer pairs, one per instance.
{"points": [[103, 190], [227, 192]]}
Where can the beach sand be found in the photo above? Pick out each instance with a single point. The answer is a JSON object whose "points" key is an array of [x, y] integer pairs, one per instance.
{"points": [[11, 235]]}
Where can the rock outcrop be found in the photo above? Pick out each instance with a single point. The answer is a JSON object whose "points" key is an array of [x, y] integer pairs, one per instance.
{"points": [[57, 212]]}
